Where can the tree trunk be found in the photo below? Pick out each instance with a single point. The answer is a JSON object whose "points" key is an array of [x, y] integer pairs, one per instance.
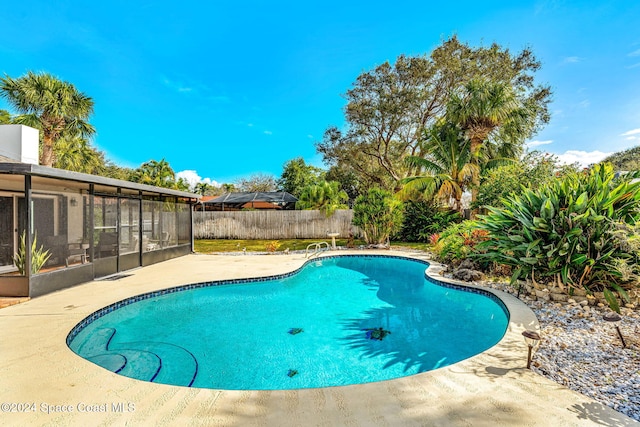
{"points": [[457, 205], [475, 146], [474, 195], [47, 152]]}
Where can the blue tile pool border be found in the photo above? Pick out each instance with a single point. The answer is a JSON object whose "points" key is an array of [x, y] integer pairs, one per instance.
{"points": [[153, 294]]}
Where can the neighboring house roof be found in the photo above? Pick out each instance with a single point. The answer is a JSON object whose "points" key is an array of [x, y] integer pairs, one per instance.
{"points": [[207, 198], [255, 199]]}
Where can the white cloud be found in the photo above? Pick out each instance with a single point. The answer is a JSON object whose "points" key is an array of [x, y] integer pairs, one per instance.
{"points": [[584, 158], [250, 125], [631, 132], [177, 86], [634, 53], [310, 136], [571, 59], [268, 132], [195, 88], [532, 144], [193, 178]]}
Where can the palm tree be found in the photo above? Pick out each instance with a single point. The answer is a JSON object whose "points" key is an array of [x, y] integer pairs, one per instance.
{"points": [[228, 188], [5, 117], [76, 154], [54, 107], [447, 161], [156, 173], [326, 196], [202, 188], [487, 110]]}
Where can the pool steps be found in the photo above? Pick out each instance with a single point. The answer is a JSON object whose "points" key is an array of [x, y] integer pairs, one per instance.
{"points": [[143, 360]]}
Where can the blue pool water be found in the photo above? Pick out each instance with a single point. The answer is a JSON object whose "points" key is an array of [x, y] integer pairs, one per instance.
{"points": [[337, 321]]}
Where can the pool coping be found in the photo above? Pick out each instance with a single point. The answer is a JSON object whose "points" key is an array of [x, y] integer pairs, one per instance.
{"points": [[491, 388]]}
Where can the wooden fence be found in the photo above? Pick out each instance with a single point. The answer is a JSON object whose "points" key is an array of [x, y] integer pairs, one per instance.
{"points": [[274, 225]]}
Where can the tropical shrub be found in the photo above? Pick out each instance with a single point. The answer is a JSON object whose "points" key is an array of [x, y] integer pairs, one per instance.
{"points": [[458, 241], [533, 171], [424, 218], [378, 215], [39, 256], [576, 232]]}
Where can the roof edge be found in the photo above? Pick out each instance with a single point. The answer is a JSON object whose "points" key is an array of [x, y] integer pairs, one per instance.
{"points": [[49, 172]]}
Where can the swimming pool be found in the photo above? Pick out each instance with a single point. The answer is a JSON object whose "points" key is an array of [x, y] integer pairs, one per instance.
{"points": [[337, 320]]}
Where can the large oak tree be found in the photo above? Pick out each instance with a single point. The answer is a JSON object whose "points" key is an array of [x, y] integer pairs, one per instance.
{"points": [[389, 107]]}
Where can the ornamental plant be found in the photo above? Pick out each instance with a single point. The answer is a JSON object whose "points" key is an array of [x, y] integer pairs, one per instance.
{"points": [[39, 256], [568, 232], [424, 218], [378, 215], [458, 242], [272, 246]]}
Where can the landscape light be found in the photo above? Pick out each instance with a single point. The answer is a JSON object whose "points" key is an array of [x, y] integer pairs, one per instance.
{"points": [[532, 339], [615, 319]]}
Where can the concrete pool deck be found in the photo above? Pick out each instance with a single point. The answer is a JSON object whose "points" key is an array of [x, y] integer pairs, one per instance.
{"points": [[42, 382]]}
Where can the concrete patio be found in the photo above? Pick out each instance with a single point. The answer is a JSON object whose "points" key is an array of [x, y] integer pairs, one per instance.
{"points": [[42, 382]]}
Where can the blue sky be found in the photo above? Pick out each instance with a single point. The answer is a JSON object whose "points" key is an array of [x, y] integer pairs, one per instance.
{"points": [[228, 89]]}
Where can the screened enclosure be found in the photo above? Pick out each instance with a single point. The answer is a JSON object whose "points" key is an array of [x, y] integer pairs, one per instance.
{"points": [[61, 228], [276, 200]]}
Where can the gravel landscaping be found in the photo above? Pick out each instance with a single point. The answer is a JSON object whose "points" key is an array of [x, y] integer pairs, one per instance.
{"points": [[584, 353]]}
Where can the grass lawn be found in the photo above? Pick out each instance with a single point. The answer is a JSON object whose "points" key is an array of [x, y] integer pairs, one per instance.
{"points": [[218, 245]]}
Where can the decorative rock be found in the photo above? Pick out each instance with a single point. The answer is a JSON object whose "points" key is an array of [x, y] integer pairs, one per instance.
{"points": [[467, 264], [558, 297], [467, 275], [579, 292], [584, 353], [542, 295]]}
